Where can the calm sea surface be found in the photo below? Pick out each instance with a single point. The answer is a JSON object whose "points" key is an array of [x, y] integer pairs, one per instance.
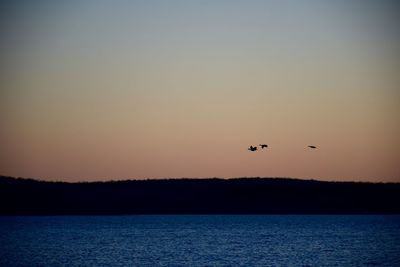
{"points": [[201, 240]]}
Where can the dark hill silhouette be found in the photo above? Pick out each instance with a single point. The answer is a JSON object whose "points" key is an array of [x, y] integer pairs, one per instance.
{"points": [[197, 196]]}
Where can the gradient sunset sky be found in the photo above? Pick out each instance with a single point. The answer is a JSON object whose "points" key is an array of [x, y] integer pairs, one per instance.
{"points": [[99, 90]]}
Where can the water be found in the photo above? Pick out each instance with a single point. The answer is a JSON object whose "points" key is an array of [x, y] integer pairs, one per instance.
{"points": [[202, 240]]}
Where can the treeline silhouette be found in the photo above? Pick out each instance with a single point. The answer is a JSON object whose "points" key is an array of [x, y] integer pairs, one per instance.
{"points": [[197, 196]]}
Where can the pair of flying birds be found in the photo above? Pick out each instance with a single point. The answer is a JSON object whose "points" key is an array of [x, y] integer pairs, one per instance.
{"points": [[254, 148]]}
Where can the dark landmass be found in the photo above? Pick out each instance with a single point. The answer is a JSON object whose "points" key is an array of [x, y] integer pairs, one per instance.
{"points": [[197, 196]]}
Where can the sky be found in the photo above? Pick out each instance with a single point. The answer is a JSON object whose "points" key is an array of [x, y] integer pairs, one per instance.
{"points": [[100, 90]]}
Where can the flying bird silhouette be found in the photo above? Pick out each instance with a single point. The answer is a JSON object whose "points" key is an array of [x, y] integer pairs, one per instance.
{"points": [[263, 146], [313, 147], [252, 148]]}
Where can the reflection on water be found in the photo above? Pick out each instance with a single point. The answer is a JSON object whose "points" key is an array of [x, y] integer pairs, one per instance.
{"points": [[201, 240]]}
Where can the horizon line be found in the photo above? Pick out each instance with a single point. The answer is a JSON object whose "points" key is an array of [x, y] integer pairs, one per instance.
{"points": [[193, 178]]}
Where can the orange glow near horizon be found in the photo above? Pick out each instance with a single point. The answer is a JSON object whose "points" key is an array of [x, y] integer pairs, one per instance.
{"points": [[174, 89]]}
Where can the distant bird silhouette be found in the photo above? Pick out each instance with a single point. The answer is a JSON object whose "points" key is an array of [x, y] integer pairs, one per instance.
{"points": [[263, 146], [313, 147], [252, 148]]}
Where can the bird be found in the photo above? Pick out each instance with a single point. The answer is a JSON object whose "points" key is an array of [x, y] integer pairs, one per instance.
{"points": [[263, 146], [252, 148], [313, 147]]}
